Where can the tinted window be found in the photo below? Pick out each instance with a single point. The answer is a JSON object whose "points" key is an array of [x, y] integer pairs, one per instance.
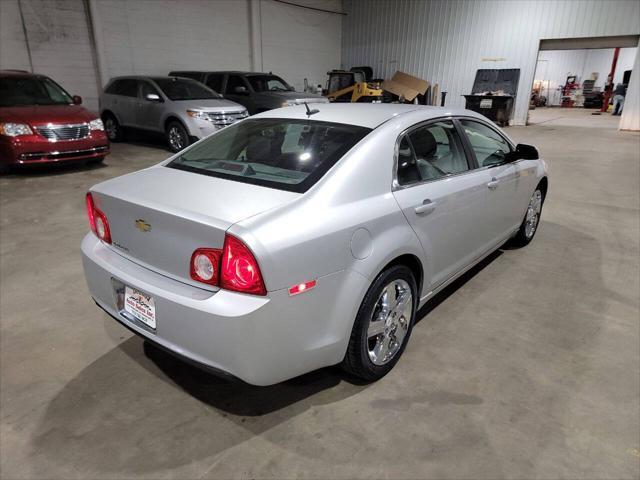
{"points": [[214, 82], [268, 83], [287, 154], [184, 89], [233, 82], [147, 89], [127, 87], [431, 152], [31, 91], [489, 147]]}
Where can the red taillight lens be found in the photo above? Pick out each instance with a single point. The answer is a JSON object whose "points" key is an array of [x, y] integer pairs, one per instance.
{"points": [[239, 270], [97, 220], [205, 265]]}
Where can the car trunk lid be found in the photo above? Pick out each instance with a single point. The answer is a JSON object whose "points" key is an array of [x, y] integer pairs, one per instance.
{"points": [[159, 216]]}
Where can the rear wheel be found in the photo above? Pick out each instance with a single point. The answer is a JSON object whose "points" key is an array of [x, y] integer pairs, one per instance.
{"points": [[529, 225], [177, 136], [383, 324], [112, 128]]}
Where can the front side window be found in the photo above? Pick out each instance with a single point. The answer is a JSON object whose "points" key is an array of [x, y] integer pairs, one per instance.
{"points": [[234, 82], [286, 154], [268, 83], [177, 89], [31, 90], [489, 147], [148, 89], [430, 152]]}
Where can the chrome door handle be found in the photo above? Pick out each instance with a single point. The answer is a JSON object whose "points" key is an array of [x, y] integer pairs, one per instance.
{"points": [[493, 184], [427, 207]]}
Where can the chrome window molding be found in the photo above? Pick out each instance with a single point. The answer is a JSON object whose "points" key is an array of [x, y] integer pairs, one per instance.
{"points": [[395, 185]]}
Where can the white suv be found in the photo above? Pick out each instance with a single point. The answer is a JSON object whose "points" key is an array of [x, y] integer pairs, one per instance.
{"points": [[183, 109]]}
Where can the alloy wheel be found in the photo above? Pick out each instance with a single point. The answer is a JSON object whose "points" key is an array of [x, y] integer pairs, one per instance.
{"points": [[389, 322], [177, 139], [533, 214]]}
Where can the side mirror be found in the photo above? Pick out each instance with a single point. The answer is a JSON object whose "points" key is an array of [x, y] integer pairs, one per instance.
{"points": [[241, 90], [524, 152], [77, 100], [153, 97]]}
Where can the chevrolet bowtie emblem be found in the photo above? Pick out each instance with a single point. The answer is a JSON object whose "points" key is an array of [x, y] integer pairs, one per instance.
{"points": [[142, 225]]}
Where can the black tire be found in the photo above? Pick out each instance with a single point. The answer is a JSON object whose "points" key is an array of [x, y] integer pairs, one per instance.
{"points": [[525, 233], [357, 360], [177, 136], [113, 129], [95, 161]]}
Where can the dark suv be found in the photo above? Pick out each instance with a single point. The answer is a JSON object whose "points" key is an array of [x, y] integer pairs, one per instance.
{"points": [[258, 92]]}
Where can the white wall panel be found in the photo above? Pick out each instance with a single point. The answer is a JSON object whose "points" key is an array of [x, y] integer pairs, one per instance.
{"points": [[447, 41], [630, 119], [13, 48], [59, 42], [298, 43]]}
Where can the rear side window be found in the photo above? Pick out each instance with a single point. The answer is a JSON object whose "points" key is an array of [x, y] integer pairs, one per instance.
{"points": [[488, 145], [126, 87], [286, 154], [430, 152]]}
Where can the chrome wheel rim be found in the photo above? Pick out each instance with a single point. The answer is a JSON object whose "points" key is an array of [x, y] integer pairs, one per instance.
{"points": [[111, 128], [533, 214], [176, 139], [389, 323]]}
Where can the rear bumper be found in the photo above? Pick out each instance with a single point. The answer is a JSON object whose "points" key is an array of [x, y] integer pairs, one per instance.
{"points": [[260, 340], [33, 149]]}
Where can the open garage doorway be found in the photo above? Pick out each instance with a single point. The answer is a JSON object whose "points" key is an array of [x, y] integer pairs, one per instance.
{"points": [[582, 82]]}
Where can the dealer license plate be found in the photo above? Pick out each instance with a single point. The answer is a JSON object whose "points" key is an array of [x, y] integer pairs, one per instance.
{"points": [[486, 103], [140, 306]]}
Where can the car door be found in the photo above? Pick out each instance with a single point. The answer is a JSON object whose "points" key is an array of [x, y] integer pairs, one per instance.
{"points": [[149, 112], [441, 197], [125, 104], [232, 91], [506, 185]]}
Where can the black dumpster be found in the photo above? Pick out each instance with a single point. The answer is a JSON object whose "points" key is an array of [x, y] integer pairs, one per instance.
{"points": [[494, 94]]}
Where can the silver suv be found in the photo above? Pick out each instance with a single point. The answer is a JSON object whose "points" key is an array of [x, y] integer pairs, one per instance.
{"points": [[181, 108]]}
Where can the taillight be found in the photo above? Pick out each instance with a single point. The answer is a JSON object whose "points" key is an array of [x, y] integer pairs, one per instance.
{"points": [[240, 270], [232, 268], [97, 220], [205, 265]]}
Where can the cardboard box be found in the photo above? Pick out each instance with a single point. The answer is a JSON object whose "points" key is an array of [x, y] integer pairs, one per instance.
{"points": [[405, 85]]}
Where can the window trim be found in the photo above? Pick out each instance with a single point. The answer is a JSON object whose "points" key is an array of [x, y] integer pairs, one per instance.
{"points": [[395, 184], [466, 144], [473, 153]]}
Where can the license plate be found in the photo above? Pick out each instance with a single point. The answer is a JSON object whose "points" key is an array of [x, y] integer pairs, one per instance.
{"points": [[140, 305], [486, 103]]}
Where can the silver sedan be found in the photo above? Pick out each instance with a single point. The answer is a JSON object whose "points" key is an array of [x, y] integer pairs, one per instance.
{"points": [[299, 238]]}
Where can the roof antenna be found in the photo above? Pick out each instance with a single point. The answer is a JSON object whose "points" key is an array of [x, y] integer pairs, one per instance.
{"points": [[309, 111]]}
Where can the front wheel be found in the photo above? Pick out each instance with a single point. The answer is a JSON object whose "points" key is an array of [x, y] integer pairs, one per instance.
{"points": [[383, 324], [529, 225], [112, 128], [177, 136]]}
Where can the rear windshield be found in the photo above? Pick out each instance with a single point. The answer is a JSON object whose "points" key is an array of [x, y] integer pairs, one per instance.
{"points": [[185, 89], [287, 154]]}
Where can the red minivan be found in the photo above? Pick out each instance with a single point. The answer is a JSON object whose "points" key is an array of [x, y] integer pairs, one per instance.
{"points": [[41, 123]]}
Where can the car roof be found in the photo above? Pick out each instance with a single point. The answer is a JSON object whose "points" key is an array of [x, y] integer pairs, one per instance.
{"points": [[369, 115], [149, 77], [17, 73], [223, 72]]}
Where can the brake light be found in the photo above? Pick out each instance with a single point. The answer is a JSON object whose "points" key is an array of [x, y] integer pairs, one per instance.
{"points": [[97, 220], [205, 265], [240, 270]]}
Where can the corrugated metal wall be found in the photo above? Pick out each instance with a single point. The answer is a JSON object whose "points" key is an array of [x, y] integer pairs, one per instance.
{"points": [[447, 41]]}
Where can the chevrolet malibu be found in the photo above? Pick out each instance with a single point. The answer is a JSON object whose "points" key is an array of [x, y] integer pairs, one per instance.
{"points": [[299, 238]]}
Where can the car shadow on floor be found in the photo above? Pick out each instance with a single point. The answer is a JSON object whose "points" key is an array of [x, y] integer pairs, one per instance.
{"points": [[144, 138]]}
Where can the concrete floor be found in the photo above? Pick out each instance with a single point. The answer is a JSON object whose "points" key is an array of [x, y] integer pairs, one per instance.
{"points": [[528, 368]]}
